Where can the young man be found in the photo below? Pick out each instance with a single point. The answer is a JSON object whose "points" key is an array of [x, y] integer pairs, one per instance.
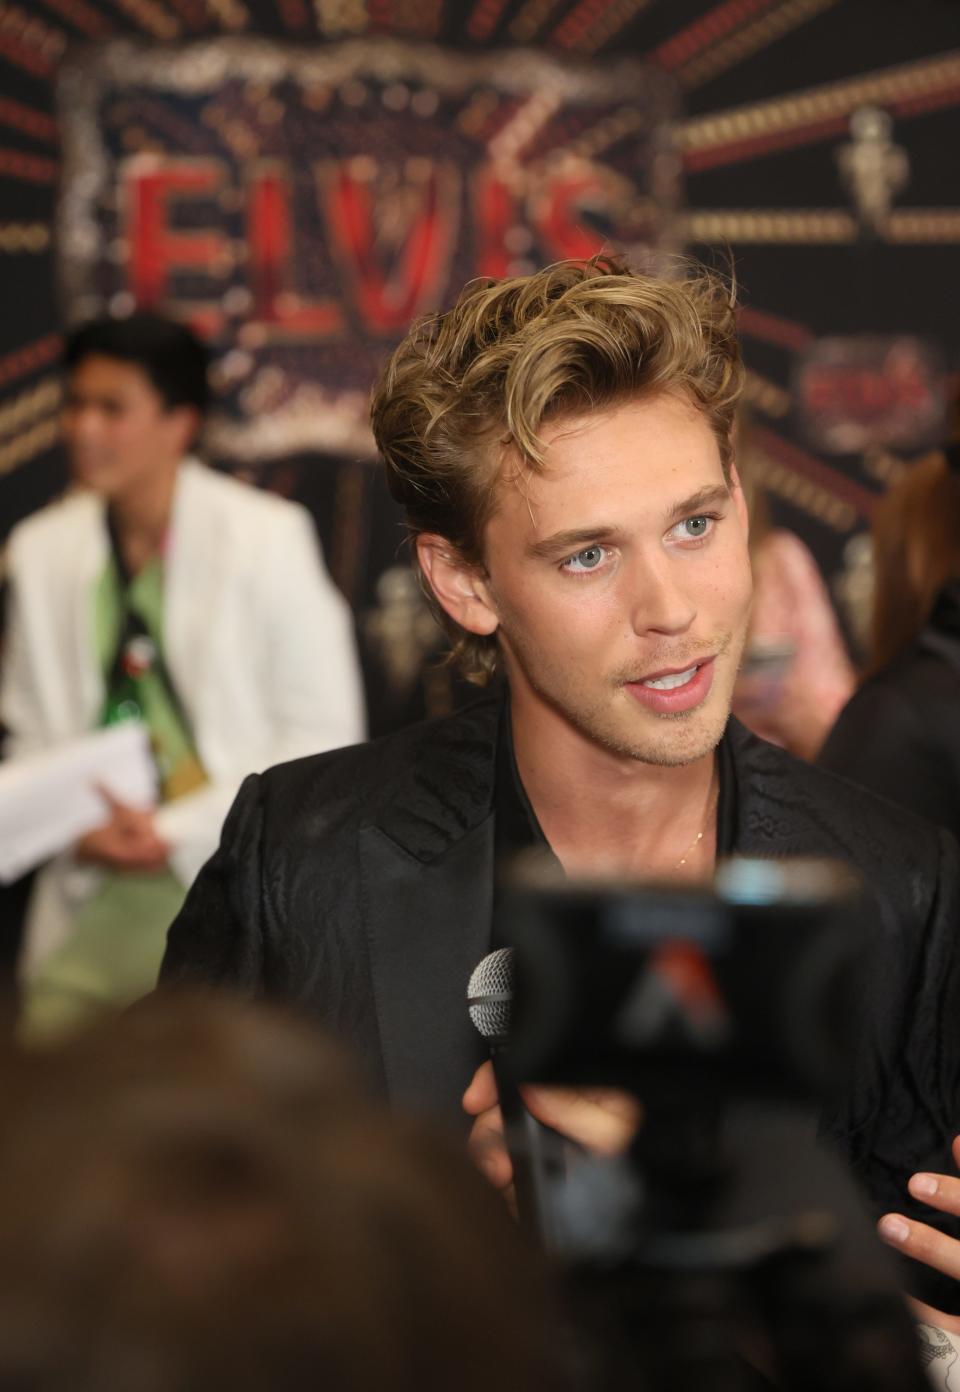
{"points": [[562, 445], [161, 589]]}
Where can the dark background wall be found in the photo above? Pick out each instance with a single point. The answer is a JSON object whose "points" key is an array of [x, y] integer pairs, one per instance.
{"points": [[767, 89]]}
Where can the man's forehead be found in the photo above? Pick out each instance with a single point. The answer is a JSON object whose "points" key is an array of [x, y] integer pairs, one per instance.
{"points": [[99, 373], [581, 451]]}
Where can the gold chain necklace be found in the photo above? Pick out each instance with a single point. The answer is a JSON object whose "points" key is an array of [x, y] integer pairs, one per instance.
{"points": [[711, 804]]}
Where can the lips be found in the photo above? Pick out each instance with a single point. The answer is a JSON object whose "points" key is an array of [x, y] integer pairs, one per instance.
{"points": [[674, 690]]}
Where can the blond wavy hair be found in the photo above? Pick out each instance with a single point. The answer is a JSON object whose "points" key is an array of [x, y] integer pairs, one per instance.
{"points": [[466, 387]]}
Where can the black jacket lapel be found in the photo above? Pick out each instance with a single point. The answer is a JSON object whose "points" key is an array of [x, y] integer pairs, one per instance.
{"points": [[426, 869], [428, 925]]}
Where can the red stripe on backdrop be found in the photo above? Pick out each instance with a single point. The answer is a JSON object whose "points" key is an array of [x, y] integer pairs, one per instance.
{"points": [[29, 358], [773, 328], [714, 25], [831, 480], [27, 120], [82, 16], [37, 64], [33, 169], [485, 18], [757, 145], [573, 28]]}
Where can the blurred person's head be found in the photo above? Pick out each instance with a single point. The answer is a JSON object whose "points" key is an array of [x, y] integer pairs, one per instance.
{"points": [[916, 547], [198, 1195], [136, 395], [562, 445]]}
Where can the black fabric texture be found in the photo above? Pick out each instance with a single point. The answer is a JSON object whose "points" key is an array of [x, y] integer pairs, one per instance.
{"points": [[358, 884], [899, 734]]}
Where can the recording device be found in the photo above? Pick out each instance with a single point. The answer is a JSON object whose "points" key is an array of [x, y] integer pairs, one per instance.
{"points": [[731, 1013], [747, 988]]}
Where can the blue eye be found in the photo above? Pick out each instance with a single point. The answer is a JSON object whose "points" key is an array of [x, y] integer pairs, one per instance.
{"points": [[587, 559], [693, 528]]}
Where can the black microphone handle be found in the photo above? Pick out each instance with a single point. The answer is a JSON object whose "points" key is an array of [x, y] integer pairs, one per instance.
{"points": [[537, 1154]]}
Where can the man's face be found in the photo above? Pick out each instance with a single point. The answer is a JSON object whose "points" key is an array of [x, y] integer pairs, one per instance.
{"points": [[621, 580], [117, 428]]}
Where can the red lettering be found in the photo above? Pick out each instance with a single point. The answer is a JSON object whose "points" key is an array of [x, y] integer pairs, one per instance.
{"points": [[387, 299], [270, 241], [155, 250]]}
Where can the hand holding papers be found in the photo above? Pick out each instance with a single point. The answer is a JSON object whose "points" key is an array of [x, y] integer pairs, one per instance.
{"points": [[49, 800]]}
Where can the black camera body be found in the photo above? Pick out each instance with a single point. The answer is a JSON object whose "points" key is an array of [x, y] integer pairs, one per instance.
{"points": [[747, 988]]}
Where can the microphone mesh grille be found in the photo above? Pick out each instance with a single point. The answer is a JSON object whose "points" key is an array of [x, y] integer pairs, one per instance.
{"points": [[490, 994]]}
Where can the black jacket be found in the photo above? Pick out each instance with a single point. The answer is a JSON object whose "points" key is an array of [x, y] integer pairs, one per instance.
{"points": [[359, 884], [899, 735]]}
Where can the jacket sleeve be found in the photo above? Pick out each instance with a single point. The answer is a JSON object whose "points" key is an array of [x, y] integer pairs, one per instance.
{"points": [[880, 742], [20, 710], [912, 1054], [309, 665], [217, 939]]}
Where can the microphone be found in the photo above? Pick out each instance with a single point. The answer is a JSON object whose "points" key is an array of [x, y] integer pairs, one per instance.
{"points": [[536, 1151]]}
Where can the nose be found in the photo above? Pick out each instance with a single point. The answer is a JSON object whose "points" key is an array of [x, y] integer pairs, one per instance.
{"points": [[660, 601], [81, 423]]}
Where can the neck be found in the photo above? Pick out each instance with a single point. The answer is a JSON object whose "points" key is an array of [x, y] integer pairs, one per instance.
{"points": [[142, 516], [607, 813]]}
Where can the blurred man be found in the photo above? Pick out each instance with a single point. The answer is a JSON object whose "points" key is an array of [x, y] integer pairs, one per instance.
{"points": [[161, 591], [562, 445]]}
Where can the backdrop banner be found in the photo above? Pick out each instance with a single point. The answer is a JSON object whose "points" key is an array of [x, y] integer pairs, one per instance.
{"points": [[301, 206]]}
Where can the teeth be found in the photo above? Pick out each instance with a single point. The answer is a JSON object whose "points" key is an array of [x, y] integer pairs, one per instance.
{"points": [[669, 682]]}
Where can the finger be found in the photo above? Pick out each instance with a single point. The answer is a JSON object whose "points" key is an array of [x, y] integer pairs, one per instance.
{"points": [[488, 1149], [921, 1242], [604, 1120], [939, 1191], [956, 1151], [113, 802], [481, 1095]]}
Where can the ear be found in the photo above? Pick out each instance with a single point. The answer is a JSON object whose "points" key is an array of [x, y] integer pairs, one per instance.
{"points": [[461, 589], [184, 424], [739, 501]]}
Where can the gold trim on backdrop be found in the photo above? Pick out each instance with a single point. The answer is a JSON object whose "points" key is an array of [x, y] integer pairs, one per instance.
{"points": [[817, 226], [338, 17], [814, 104], [19, 237], [152, 17], [24, 408], [923, 225], [530, 18], [802, 492], [230, 14], [747, 42], [586, 37], [23, 448], [26, 29], [768, 397], [806, 227]]}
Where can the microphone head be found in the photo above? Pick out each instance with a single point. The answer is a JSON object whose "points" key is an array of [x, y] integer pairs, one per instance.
{"points": [[490, 994]]}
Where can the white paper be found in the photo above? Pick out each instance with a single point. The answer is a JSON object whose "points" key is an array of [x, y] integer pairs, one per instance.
{"points": [[50, 799]]}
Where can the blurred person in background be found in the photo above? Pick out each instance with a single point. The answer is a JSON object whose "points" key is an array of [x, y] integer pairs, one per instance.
{"points": [[900, 733], [796, 675], [197, 1195], [162, 591]]}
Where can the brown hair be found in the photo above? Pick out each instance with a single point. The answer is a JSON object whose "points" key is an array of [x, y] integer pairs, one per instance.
{"points": [[513, 354], [916, 550], [198, 1194]]}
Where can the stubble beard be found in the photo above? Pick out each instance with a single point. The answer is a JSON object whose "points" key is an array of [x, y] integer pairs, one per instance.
{"points": [[702, 727]]}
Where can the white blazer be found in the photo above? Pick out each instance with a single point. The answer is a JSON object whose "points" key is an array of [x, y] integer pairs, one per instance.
{"points": [[258, 640]]}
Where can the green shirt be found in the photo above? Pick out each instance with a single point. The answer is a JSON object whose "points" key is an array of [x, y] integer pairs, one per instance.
{"points": [[113, 954]]}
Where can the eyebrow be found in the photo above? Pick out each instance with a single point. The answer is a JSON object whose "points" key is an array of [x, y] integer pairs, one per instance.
{"points": [[563, 543]]}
